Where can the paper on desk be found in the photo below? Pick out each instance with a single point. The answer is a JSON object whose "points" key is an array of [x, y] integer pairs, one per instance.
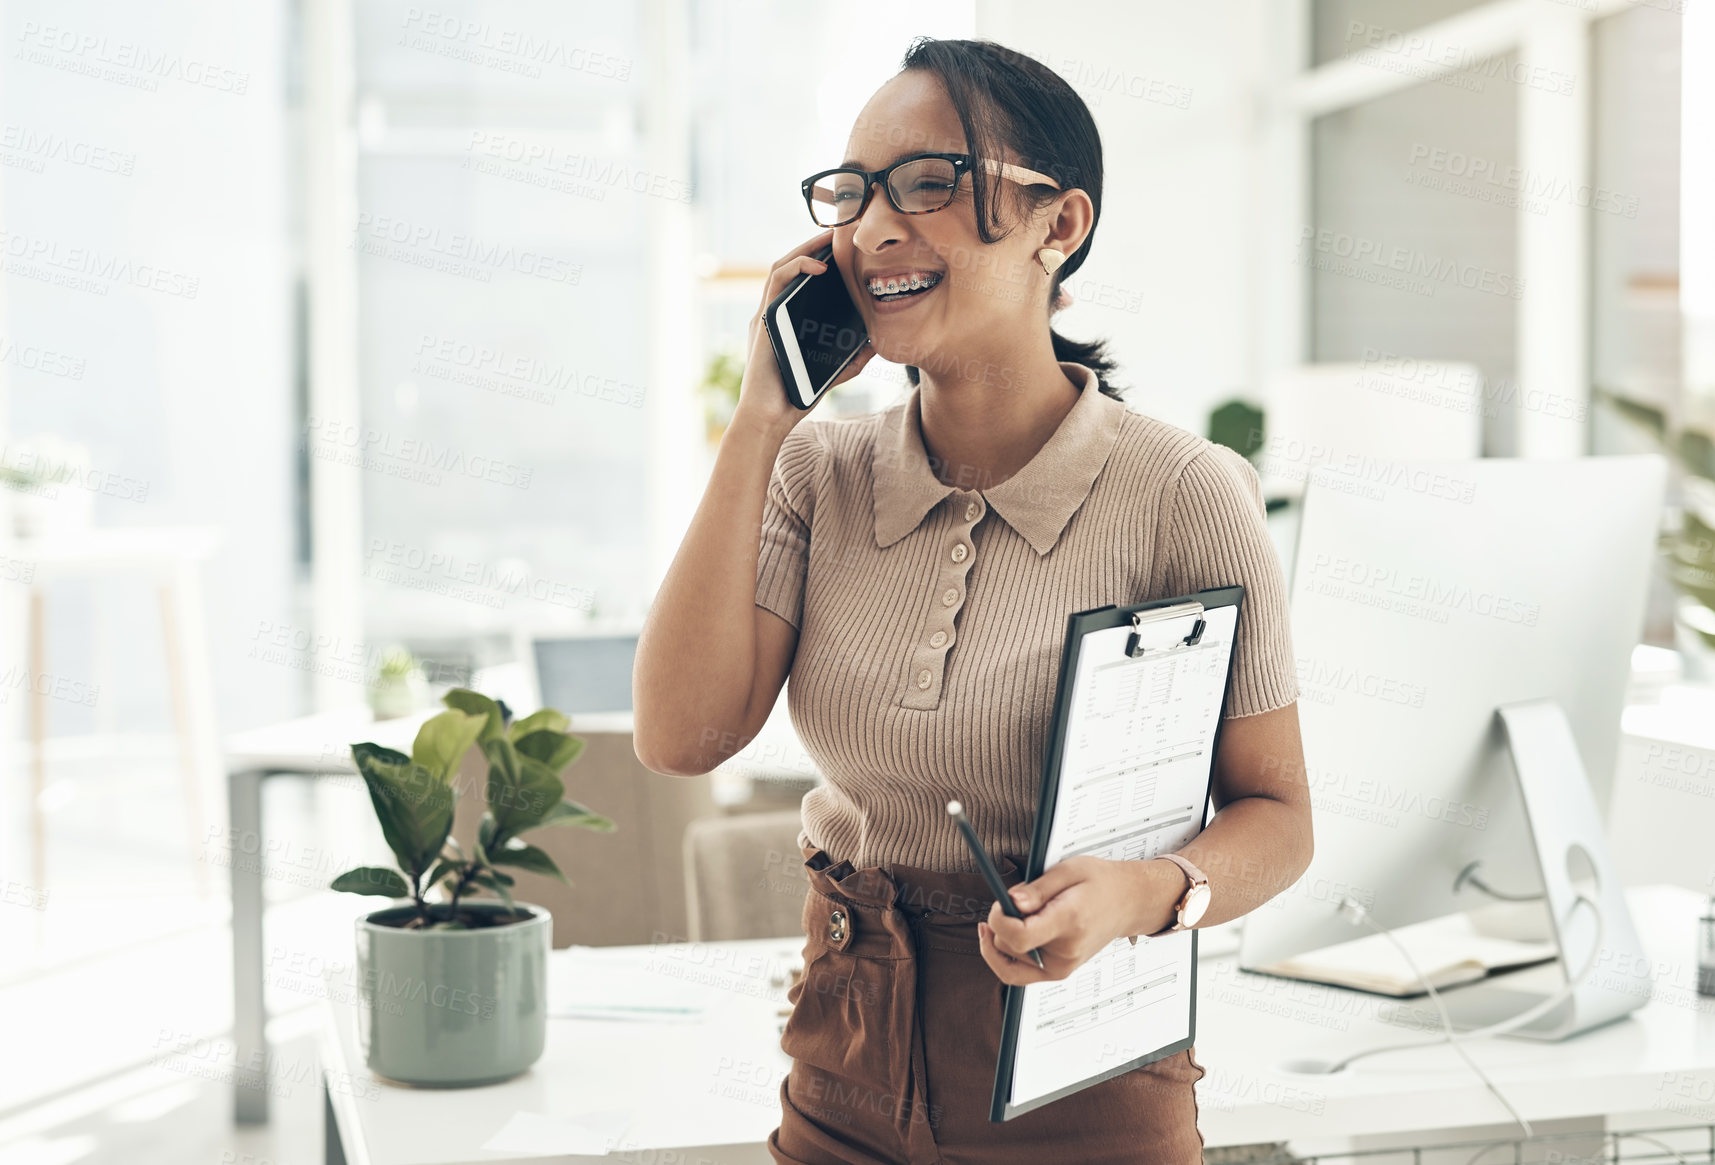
{"points": [[612, 983], [1133, 780], [589, 1134]]}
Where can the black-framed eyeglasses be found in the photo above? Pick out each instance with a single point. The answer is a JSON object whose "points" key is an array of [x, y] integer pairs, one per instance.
{"points": [[919, 184]]}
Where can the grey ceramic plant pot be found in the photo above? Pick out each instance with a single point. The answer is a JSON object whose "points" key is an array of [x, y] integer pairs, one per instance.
{"points": [[453, 1008]]}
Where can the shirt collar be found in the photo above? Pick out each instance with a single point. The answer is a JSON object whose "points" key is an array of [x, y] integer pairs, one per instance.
{"points": [[1037, 501]]}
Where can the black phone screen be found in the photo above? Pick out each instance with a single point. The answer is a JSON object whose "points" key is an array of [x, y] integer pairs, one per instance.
{"points": [[828, 329]]}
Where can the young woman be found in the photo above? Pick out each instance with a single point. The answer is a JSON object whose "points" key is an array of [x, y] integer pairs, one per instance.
{"points": [[912, 571]]}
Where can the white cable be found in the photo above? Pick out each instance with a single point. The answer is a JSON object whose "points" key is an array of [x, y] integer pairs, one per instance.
{"points": [[1356, 912]]}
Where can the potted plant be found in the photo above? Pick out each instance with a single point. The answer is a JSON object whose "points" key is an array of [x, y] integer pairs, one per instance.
{"points": [[399, 687], [720, 390], [1688, 545], [453, 990], [36, 473]]}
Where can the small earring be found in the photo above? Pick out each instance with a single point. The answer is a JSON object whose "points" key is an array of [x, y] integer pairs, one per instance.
{"points": [[1050, 259]]}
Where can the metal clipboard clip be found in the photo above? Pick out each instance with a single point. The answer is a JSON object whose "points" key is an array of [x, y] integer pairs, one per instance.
{"points": [[1133, 648]]}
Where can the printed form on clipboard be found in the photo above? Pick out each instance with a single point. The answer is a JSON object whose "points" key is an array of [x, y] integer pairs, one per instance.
{"points": [[1127, 776]]}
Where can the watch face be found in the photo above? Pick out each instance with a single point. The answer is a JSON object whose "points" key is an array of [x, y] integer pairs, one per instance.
{"points": [[1196, 904]]}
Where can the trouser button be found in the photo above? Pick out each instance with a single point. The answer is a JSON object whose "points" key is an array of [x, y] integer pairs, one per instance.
{"points": [[837, 926]]}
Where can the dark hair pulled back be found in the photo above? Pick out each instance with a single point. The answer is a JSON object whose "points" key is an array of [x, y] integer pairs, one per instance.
{"points": [[1007, 100]]}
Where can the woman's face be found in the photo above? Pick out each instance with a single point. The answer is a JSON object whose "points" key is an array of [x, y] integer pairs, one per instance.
{"points": [[987, 292]]}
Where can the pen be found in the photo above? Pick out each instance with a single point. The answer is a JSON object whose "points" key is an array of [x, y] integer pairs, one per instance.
{"points": [[990, 874]]}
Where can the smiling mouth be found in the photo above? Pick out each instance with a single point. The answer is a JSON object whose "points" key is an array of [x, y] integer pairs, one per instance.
{"points": [[903, 286]]}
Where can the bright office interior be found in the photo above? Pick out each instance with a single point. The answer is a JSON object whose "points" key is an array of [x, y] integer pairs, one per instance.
{"points": [[354, 351]]}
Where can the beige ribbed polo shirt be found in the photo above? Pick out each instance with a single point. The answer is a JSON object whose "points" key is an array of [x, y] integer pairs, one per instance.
{"points": [[931, 617]]}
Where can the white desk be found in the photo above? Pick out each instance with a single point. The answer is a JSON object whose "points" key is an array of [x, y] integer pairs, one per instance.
{"points": [[1248, 1023], [319, 746], [722, 1075], [708, 1087]]}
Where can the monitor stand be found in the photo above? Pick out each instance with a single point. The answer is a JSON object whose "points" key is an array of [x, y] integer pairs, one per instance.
{"points": [[1572, 852]]}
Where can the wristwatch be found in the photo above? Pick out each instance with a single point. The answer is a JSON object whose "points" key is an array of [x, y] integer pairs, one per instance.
{"points": [[1192, 905]]}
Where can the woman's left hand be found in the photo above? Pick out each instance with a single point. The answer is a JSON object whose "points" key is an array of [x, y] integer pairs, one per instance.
{"points": [[1072, 911]]}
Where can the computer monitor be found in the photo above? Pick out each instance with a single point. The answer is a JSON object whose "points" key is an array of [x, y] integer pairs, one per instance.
{"points": [[1425, 596], [581, 671]]}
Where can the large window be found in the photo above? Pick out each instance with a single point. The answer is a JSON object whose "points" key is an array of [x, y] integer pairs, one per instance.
{"points": [[503, 196]]}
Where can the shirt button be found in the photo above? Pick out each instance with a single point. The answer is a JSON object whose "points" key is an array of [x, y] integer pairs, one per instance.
{"points": [[959, 552], [937, 639], [970, 511], [923, 678], [950, 596]]}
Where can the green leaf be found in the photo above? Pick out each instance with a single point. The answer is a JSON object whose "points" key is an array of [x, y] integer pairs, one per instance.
{"points": [[500, 890], [571, 813], [503, 757], [1238, 425], [414, 808], [477, 704], [540, 791], [374, 752], [503, 789], [521, 790], [547, 718], [556, 750], [442, 868], [1697, 450], [443, 740], [1644, 414], [386, 778], [386, 882], [501, 875], [527, 857]]}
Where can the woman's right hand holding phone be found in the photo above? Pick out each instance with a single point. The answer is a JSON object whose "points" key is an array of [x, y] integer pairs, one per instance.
{"points": [[762, 398]]}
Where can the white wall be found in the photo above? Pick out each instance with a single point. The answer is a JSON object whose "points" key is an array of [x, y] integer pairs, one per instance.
{"points": [[1174, 90]]}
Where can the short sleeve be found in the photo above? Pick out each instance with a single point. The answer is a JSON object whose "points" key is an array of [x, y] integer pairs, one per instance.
{"points": [[1217, 536], [783, 558]]}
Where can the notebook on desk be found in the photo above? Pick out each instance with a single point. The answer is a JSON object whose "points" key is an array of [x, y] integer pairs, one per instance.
{"points": [[1448, 950]]}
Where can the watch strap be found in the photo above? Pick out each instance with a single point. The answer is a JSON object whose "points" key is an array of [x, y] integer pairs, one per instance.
{"points": [[1196, 879], [1191, 871]]}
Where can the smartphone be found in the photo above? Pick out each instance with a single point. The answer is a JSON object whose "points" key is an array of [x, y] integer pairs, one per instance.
{"points": [[815, 329]]}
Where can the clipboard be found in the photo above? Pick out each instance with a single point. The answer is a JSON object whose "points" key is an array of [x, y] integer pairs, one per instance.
{"points": [[1186, 641]]}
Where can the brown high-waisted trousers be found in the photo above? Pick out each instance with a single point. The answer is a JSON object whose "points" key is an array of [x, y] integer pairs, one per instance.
{"points": [[895, 1032]]}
